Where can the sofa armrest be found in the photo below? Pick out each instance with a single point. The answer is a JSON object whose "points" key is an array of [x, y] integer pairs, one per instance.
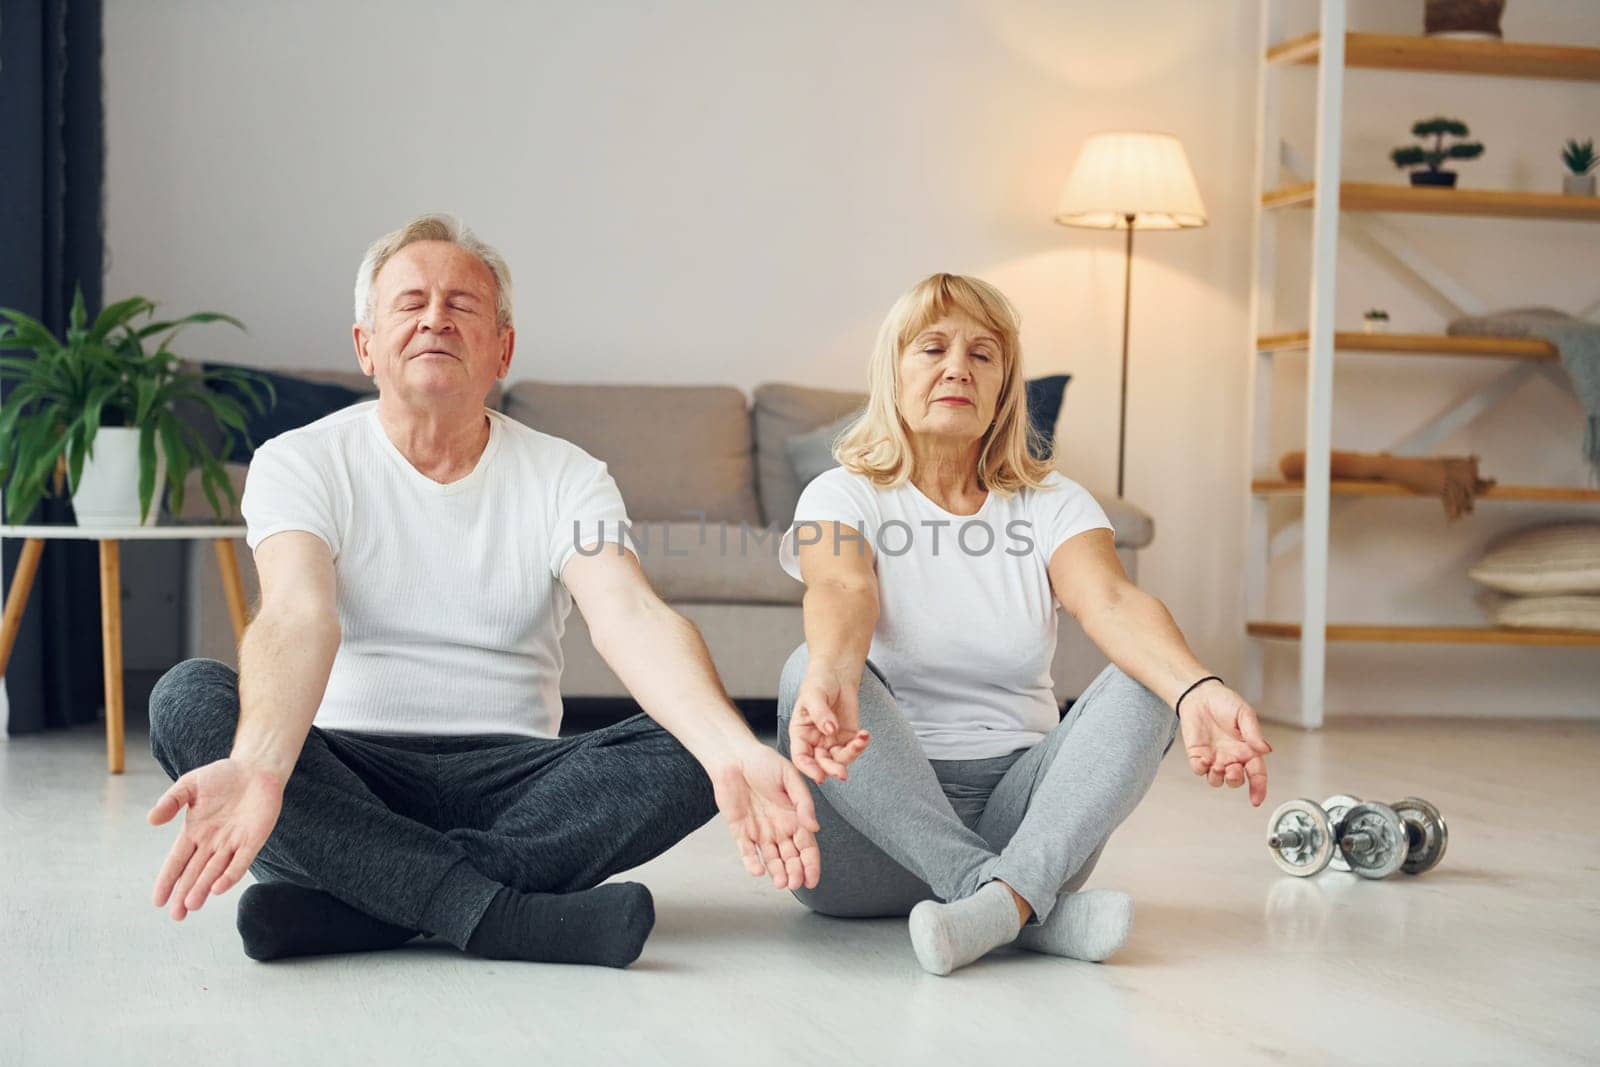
{"points": [[1134, 526]]}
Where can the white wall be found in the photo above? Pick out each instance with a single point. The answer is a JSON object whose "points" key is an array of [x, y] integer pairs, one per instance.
{"points": [[733, 192]]}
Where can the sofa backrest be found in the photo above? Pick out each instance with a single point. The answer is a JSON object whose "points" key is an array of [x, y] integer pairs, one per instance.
{"points": [[673, 449], [780, 412]]}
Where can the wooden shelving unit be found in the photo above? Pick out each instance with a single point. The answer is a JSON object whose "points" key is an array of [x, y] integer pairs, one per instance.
{"points": [[1416, 344], [1488, 203], [1429, 635], [1437, 55], [1333, 51], [1550, 494]]}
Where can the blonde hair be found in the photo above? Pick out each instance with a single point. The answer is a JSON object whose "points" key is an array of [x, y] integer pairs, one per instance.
{"points": [[878, 445], [446, 228]]}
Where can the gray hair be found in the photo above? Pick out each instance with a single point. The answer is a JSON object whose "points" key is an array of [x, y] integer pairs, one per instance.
{"points": [[430, 228]]}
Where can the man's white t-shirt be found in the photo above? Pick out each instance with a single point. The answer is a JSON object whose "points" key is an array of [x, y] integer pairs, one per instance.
{"points": [[967, 621], [451, 607]]}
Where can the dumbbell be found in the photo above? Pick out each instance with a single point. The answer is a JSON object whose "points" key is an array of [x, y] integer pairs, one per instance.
{"points": [[1300, 835], [1374, 840], [1378, 839]]}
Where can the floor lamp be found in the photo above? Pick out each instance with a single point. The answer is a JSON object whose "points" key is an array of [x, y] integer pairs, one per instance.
{"points": [[1130, 181]]}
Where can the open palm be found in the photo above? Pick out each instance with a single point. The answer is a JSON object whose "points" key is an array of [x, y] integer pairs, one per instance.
{"points": [[231, 809], [1222, 738], [769, 812]]}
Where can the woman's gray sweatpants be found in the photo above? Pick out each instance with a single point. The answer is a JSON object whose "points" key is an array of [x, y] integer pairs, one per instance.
{"points": [[422, 832], [905, 828]]}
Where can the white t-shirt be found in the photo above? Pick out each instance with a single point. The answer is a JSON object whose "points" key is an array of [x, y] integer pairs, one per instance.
{"points": [[451, 607], [966, 622]]}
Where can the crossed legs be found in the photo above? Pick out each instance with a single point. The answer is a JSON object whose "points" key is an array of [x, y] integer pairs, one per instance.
{"points": [[903, 829], [425, 834]]}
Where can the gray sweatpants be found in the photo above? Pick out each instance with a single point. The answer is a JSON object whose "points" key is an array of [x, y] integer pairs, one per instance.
{"points": [[422, 832], [905, 828]]}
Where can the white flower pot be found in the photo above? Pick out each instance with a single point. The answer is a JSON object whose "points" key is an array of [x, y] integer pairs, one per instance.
{"points": [[1578, 184], [1374, 325], [108, 491]]}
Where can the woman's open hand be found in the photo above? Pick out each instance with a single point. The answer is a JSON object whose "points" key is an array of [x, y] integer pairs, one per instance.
{"points": [[1223, 739]]}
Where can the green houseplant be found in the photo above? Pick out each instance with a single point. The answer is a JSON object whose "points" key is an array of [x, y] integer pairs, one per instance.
{"points": [[1580, 159], [1430, 158], [100, 376]]}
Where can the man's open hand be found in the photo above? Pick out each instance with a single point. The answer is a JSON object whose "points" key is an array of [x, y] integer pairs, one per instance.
{"points": [[769, 812], [232, 808]]}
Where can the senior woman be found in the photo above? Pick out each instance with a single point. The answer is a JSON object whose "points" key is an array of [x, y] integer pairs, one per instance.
{"points": [[921, 704]]}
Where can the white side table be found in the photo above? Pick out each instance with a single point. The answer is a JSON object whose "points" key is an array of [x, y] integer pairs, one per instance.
{"points": [[109, 538]]}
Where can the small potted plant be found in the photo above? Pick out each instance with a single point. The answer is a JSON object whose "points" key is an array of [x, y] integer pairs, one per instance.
{"points": [[1430, 158], [1469, 19], [1581, 161], [98, 410], [1376, 320]]}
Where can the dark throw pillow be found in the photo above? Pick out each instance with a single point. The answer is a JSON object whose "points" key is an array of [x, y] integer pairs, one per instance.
{"points": [[1044, 407], [300, 402]]}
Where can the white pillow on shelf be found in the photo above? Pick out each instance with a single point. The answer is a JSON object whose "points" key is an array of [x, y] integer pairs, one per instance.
{"points": [[1543, 561], [1550, 613]]}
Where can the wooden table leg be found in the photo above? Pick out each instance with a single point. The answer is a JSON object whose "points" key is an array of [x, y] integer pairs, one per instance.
{"points": [[111, 644], [17, 599], [232, 586]]}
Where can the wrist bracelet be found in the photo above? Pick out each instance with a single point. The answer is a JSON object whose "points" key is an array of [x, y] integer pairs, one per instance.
{"points": [[1178, 707]]}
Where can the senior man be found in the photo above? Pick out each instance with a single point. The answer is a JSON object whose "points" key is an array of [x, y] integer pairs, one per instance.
{"points": [[386, 762]]}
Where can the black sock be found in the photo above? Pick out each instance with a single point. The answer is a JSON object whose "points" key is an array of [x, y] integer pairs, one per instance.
{"points": [[606, 925], [280, 919]]}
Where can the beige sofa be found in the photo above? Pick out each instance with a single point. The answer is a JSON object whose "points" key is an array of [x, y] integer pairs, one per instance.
{"points": [[708, 485]]}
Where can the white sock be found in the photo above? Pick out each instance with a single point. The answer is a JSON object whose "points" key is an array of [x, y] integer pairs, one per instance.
{"points": [[948, 936], [1088, 925]]}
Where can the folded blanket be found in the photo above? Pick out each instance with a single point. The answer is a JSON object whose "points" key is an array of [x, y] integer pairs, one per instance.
{"points": [[1578, 341]]}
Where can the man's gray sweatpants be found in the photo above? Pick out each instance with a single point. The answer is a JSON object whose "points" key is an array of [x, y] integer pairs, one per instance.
{"points": [[905, 828], [422, 832]]}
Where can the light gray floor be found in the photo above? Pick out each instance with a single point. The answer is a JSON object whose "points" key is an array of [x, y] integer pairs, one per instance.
{"points": [[1493, 958]]}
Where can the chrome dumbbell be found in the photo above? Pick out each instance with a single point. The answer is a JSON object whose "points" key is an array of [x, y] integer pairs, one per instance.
{"points": [[1337, 806], [1300, 837], [1372, 840], [1376, 840]]}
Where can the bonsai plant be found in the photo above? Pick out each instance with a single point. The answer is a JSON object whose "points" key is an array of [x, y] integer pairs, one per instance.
{"points": [[1376, 320], [98, 385], [1580, 160], [1415, 155]]}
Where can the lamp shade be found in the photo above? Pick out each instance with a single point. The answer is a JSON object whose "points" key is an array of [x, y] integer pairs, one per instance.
{"points": [[1145, 175]]}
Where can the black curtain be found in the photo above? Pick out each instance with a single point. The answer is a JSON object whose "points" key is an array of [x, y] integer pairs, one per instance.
{"points": [[52, 153]]}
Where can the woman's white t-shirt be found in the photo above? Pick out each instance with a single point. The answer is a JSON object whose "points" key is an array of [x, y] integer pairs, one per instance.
{"points": [[966, 620]]}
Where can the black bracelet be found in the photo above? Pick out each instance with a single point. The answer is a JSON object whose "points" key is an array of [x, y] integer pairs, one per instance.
{"points": [[1178, 707]]}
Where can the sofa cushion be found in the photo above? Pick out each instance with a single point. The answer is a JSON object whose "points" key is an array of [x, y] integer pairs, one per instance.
{"points": [[811, 453], [674, 450], [780, 412], [714, 562]]}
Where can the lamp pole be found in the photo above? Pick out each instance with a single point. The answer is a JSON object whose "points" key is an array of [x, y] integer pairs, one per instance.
{"points": [[1127, 300]]}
